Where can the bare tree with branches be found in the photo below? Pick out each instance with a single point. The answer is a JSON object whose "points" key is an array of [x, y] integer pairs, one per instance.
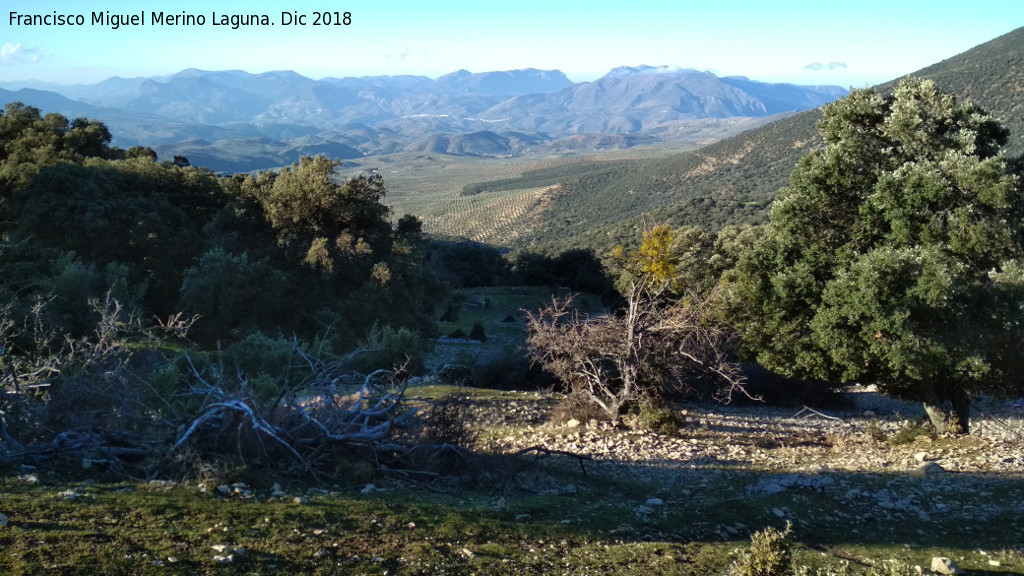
{"points": [[648, 348]]}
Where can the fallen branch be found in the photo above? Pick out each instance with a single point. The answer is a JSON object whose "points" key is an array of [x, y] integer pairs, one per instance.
{"points": [[539, 452], [808, 412]]}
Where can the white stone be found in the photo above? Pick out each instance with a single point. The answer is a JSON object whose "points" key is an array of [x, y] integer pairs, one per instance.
{"points": [[927, 470], [921, 456], [943, 565], [573, 423], [368, 489]]}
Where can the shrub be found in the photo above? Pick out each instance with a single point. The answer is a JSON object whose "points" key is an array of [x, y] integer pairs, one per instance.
{"points": [[770, 554], [656, 418], [388, 348], [477, 332], [577, 407]]}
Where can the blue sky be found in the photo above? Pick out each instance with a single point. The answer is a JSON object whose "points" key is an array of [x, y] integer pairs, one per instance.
{"points": [[849, 43]]}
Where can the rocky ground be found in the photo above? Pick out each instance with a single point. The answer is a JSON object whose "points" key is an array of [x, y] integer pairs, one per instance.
{"points": [[876, 434]]}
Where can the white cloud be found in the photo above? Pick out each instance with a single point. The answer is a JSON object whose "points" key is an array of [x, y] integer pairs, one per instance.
{"points": [[830, 66], [17, 54]]}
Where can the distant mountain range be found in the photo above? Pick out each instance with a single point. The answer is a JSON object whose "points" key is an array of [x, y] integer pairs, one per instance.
{"points": [[236, 121]]}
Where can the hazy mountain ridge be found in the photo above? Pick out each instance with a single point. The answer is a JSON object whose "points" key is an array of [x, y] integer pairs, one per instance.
{"points": [[227, 108]]}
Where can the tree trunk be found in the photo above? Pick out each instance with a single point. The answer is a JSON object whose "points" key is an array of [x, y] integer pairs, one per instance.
{"points": [[948, 409]]}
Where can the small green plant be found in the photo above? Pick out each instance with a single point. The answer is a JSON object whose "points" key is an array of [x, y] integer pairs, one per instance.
{"points": [[654, 417], [771, 554], [910, 432]]}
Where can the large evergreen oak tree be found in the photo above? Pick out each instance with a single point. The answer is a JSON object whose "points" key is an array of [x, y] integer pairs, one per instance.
{"points": [[893, 257]]}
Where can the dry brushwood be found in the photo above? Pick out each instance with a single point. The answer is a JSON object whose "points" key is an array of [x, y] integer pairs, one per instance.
{"points": [[333, 406]]}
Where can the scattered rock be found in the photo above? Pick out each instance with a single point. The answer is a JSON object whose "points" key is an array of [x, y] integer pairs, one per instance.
{"points": [[655, 502], [569, 490], [4, 520], [276, 487], [467, 553], [299, 500], [573, 423], [368, 489], [642, 511], [776, 484], [523, 517], [223, 559], [921, 456], [995, 563], [224, 489], [943, 565]]}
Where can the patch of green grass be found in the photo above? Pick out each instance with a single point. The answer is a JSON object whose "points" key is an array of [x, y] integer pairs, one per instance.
{"points": [[123, 528]]}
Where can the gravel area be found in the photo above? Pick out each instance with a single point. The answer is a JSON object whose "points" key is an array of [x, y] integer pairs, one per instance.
{"points": [[759, 438]]}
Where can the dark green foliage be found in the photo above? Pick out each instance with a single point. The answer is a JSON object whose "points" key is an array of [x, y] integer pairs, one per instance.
{"points": [[467, 264], [580, 270], [233, 295], [136, 213], [29, 140], [891, 257], [390, 349]]}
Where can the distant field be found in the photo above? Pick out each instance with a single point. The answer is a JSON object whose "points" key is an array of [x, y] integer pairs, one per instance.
{"points": [[432, 187]]}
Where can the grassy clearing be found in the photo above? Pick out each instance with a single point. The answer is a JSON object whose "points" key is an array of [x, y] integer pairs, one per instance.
{"points": [[551, 517], [124, 528]]}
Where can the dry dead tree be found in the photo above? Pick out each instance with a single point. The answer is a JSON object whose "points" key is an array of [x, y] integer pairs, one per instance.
{"points": [[650, 347]]}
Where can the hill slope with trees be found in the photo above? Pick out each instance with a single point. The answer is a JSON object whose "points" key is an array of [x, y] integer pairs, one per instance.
{"points": [[734, 181]]}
